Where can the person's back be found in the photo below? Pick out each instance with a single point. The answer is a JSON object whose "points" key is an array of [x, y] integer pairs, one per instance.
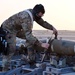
{"points": [[14, 23]]}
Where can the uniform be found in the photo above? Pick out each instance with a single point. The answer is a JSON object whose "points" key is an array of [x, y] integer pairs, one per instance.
{"points": [[15, 23]]}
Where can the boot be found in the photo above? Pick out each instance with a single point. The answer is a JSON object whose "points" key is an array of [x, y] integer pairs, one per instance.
{"points": [[31, 59]]}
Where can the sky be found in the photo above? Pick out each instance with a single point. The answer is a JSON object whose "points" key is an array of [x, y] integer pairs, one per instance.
{"points": [[59, 13]]}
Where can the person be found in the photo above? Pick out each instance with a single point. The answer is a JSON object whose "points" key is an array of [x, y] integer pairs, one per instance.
{"points": [[24, 21]]}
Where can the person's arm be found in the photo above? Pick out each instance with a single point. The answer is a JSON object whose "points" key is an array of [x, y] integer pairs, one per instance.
{"points": [[31, 39], [47, 25], [28, 33]]}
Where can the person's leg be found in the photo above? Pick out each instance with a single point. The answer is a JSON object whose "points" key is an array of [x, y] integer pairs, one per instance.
{"points": [[31, 55], [30, 52], [11, 39], [6, 62]]}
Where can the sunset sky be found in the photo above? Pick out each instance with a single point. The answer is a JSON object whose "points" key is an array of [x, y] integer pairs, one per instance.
{"points": [[60, 13]]}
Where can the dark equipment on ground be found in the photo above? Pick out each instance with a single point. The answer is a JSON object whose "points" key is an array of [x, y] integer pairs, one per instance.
{"points": [[3, 42]]}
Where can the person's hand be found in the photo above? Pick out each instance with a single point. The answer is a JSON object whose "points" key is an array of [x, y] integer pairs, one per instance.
{"points": [[45, 45], [55, 31]]}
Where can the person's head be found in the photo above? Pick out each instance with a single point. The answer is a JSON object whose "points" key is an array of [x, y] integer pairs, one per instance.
{"points": [[38, 11]]}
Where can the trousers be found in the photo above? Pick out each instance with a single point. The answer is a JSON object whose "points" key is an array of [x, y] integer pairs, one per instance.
{"points": [[6, 61]]}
